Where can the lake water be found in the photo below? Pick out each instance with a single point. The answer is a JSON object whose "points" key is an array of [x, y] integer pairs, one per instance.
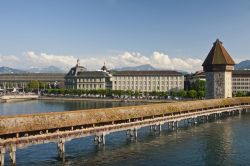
{"points": [[221, 142], [36, 106]]}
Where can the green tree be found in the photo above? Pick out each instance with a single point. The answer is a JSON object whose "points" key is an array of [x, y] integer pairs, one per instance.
{"points": [[163, 94], [117, 93], [182, 93], [192, 94], [153, 93], [108, 92], [129, 93], [137, 94], [35, 84], [62, 91], [201, 94], [174, 93], [240, 94], [198, 85]]}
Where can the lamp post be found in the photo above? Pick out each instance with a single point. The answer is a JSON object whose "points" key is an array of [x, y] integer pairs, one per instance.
{"points": [[38, 88]]}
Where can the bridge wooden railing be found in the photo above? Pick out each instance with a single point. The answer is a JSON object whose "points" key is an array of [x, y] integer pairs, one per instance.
{"points": [[11, 126], [25, 130]]}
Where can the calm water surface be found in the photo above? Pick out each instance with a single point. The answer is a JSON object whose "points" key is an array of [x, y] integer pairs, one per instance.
{"points": [[36, 106], [221, 142]]}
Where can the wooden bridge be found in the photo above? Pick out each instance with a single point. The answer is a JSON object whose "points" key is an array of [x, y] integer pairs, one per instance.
{"points": [[25, 130]]}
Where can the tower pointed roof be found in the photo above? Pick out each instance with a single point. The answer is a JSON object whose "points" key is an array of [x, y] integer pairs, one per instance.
{"points": [[218, 56]]}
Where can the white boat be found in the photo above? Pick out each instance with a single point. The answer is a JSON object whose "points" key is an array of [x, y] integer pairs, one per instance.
{"points": [[11, 98]]}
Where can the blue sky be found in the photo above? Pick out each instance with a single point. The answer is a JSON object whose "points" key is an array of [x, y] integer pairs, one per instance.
{"points": [[113, 29]]}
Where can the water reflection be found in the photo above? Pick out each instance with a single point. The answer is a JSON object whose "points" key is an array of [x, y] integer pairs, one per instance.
{"points": [[35, 106]]}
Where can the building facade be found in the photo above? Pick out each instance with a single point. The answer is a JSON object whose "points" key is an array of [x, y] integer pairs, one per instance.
{"points": [[241, 81], [191, 79], [147, 81], [79, 78], [9, 81], [218, 67]]}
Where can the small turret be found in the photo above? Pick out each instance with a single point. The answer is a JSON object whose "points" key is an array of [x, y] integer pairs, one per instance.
{"points": [[104, 68], [78, 62]]}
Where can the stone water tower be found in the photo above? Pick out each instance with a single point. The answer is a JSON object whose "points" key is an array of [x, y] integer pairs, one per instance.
{"points": [[218, 67]]}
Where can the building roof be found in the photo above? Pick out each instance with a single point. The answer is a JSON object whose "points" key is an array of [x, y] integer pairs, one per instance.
{"points": [[75, 70], [241, 73], [148, 73], [19, 77], [93, 74], [218, 56]]}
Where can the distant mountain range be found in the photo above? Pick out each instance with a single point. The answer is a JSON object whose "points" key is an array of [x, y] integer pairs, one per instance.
{"points": [[244, 65], [50, 69], [7, 70], [141, 67]]}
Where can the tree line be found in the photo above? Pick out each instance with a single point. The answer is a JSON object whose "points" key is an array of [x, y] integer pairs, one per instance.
{"points": [[126, 93], [197, 90]]}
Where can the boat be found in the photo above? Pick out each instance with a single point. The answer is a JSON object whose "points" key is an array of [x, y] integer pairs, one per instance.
{"points": [[18, 97]]}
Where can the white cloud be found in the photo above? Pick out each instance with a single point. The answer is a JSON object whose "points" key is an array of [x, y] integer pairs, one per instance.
{"points": [[9, 60], [165, 62], [43, 60], [157, 59], [127, 59]]}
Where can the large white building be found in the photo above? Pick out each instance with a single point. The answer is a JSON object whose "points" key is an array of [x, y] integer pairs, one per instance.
{"points": [[79, 78], [147, 81]]}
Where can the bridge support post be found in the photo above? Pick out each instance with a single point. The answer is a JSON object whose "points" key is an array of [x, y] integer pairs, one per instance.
{"points": [[172, 124], [132, 133], [61, 148], [160, 127], [177, 124], [100, 138], [13, 154], [155, 128], [135, 133], [103, 139], [151, 128], [240, 111], [168, 124], [2, 156]]}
